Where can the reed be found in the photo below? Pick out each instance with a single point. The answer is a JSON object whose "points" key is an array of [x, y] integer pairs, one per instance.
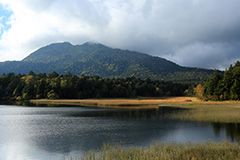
{"points": [[180, 151], [227, 113]]}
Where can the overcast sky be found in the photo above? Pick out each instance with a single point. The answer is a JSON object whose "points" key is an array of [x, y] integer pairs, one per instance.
{"points": [[196, 33]]}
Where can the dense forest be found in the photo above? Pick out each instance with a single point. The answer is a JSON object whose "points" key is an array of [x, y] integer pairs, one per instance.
{"points": [[221, 86], [69, 86]]}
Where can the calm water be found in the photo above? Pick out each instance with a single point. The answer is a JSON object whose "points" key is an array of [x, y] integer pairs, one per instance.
{"points": [[51, 133]]}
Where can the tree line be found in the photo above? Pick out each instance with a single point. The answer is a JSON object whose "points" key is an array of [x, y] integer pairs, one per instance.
{"points": [[69, 86], [221, 87]]}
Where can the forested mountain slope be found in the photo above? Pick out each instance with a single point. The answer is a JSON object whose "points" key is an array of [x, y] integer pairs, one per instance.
{"points": [[97, 59]]}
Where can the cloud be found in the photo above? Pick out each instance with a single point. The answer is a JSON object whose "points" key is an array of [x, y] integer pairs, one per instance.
{"points": [[189, 32], [208, 55]]}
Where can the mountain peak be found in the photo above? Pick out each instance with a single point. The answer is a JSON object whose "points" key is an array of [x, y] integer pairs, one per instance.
{"points": [[50, 52], [96, 59], [93, 44], [60, 43], [90, 43]]}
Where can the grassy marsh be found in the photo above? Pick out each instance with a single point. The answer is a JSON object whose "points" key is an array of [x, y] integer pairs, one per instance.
{"points": [[180, 151], [227, 113], [211, 111]]}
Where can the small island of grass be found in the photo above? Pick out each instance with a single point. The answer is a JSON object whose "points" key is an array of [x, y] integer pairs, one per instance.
{"points": [[212, 111]]}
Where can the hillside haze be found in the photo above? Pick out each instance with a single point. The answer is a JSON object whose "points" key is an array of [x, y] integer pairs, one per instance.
{"points": [[97, 59]]}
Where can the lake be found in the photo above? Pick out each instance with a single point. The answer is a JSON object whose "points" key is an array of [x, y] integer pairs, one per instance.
{"points": [[53, 132]]}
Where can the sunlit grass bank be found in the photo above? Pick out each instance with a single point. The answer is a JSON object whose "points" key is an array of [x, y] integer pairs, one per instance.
{"points": [[120, 102], [131, 102], [187, 151]]}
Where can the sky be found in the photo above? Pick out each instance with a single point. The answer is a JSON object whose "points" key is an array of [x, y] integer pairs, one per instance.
{"points": [[193, 33]]}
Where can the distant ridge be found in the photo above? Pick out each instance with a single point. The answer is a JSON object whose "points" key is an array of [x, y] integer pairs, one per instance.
{"points": [[97, 59]]}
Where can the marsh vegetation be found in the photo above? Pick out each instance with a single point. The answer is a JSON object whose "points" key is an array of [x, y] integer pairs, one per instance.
{"points": [[180, 151], [197, 110], [228, 113]]}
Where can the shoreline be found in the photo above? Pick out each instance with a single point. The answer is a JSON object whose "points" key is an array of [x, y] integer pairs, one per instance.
{"points": [[208, 111], [132, 102]]}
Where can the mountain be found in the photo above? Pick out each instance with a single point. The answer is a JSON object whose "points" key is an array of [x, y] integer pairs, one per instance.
{"points": [[97, 59]]}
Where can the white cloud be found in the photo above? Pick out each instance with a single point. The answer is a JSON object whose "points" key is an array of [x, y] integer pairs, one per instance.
{"points": [[170, 29]]}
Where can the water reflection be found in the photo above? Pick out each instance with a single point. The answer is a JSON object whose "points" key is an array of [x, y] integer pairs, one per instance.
{"points": [[84, 128], [232, 130], [127, 113]]}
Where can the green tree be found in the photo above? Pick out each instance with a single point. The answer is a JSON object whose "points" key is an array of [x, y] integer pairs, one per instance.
{"points": [[18, 90], [52, 95], [212, 86], [235, 90], [224, 87], [42, 89]]}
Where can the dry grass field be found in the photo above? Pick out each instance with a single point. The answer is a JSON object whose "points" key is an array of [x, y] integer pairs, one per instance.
{"points": [[131, 102]]}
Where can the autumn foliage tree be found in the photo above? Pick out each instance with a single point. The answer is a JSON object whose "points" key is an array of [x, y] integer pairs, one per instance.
{"points": [[199, 91]]}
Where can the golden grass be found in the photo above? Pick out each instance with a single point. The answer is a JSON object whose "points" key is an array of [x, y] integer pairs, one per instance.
{"points": [[131, 102], [187, 151], [212, 111]]}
